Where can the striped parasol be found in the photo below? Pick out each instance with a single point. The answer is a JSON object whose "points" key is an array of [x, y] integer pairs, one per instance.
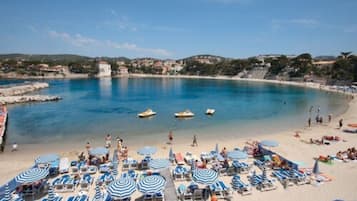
{"points": [[7, 193], [291, 173], [159, 163], [122, 188], [316, 169], [147, 151], [151, 184], [115, 169], [264, 175], [31, 175], [51, 194], [98, 193], [236, 155], [46, 159], [205, 176]]}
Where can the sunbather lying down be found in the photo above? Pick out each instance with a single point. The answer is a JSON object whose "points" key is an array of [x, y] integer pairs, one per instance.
{"points": [[322, 158]]}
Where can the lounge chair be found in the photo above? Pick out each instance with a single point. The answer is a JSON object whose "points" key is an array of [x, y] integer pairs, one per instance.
{"points": [[159, 196], [59, 183], [69, 185], [240, 186], [241, 167], [125, 165], [64, 166], [148, 197], [92, 169], [74, 170], [104, 168], [83, 169], [197, 194], [181, 173], [265, 185], [78, 198], [284, 180], [190, 158], [179, 159], [86, 182]]}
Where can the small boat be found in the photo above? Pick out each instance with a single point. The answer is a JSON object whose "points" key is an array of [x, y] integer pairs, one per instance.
{"points": [[186, 113], [147, 113], [210, 111]]}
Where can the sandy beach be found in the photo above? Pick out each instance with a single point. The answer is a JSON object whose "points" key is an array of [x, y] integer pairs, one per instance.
{"points": [[343, 174]]}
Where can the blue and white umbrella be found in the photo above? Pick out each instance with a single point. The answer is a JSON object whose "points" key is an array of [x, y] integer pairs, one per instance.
{"points": [[316, 169], [236, 155], [51, 194], [31, 175], [99, 151], [205, 176], [7, 193], [159, 163], [151, 184], [115, 169], [264, 175], [122, 188], [98, 194], [269, 143], [254, 179], [46, 159], [291, 173], [147, 151]]}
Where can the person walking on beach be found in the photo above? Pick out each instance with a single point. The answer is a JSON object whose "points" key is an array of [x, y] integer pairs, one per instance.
{"points": [[340, 123], [309, 121], [171, 137], [108, 141], [194, 143], [329, 118]]}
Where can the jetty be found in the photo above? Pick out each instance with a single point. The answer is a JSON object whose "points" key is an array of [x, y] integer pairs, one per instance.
{"points": [[25, 99]]}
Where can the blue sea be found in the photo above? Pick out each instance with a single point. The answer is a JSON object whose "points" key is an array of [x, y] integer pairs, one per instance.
{"points": [[90, 108]]}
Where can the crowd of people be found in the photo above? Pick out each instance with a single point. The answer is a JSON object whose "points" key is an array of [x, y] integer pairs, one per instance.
{"points": [[349, 154]]}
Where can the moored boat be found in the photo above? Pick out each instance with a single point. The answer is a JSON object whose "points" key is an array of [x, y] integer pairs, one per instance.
{"points": [[210, 111], [186, 113], [147, 113]]}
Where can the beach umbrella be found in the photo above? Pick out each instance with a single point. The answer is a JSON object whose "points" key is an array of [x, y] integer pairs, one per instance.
{"points": [[99, 151], [115, 169], [236, 155], [122, 188], [7, 193], [98, 194], [159, 163], [316, 169], [254, 179], [216, 149], [51, 194], [147, 151], [171, 155], [269, 143], [151, 184], [264, 175], [46, 159], [31, 175], [205, 176]]}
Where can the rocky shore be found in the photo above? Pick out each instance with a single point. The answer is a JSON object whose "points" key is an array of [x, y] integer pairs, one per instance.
{"points": [[12, 94]]}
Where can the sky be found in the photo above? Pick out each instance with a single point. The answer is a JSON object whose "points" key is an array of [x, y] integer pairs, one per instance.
{"points": [[178, 28]]}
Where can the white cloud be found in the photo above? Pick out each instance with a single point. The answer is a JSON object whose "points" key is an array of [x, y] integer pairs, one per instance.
{"points": [[307, 22], [82, 41]]}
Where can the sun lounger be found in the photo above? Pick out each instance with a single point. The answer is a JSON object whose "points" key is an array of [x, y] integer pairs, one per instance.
{"points": [[59, 183], [181, 173], [241, 167], [64, 166], [69, 185], [206, 156], [92, 169], [197, 195], [86, 182], [265, 185], [56, 199], [159, 196], [148, 197], [260, 164], [78, 198], [284, 180], [241, 187], [190, 158], [104, 168], [83, 169], [74, 170], [179, 159]]}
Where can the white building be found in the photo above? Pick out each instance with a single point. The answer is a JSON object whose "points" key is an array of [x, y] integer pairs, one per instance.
{"points": [[104, 69]]}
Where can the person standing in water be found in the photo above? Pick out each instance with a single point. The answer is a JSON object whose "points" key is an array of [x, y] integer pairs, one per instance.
{"points": [[194, 143], [309, 121], [171, 137]]}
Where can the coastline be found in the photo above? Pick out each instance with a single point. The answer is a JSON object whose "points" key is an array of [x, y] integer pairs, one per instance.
{"points": [[290, 147]]}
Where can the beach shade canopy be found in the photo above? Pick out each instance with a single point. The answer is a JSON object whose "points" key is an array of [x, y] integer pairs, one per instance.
{"points": [[51, 194], [159, 163], [121, 188], [236, 155], [151, 184], [46, 159], [99, 151], [147, 151], [269, 143], [316, 169], [98, 194], [31, 175], [205, 176]]}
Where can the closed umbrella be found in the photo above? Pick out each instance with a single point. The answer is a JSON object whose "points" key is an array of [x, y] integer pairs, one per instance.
{"points": [[171, 155], [264, 175], [31, 175], [46, 159], [159, 163], [151, 184], [147, 151], [237, 155], [205, 176], [269, 143], [115, 169], [216, 149], [316, 169], [254, 179], [122, 188], [291, 173], [98, 194]]}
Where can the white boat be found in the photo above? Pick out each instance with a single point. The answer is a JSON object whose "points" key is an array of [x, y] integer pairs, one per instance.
{"points": [[210, 111], [186, 113], [147, 113]]}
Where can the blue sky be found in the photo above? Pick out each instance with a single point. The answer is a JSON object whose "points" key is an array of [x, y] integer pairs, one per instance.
{"points": [[177, 29]]}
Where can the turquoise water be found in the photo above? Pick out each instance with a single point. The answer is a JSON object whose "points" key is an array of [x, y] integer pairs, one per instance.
{"points": [[94, 107]]}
